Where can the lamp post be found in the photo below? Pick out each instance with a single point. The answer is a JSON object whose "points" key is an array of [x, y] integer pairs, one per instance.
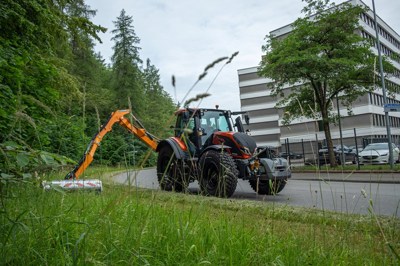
{"points": [[383, 88]]}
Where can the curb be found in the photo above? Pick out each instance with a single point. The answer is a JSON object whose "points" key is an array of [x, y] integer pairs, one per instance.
{"points": [[388, 177], [350, 180], [347, 171]]}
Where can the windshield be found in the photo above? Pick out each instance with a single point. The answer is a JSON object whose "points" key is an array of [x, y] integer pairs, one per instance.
{"points": [[212, 120], [377, 146]]}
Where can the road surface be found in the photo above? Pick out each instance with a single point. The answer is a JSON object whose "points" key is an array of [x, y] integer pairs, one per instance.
{"points": [[348, 197]]}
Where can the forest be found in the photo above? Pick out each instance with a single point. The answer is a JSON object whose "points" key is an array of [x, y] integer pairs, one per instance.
{"points": [[56, 90]]}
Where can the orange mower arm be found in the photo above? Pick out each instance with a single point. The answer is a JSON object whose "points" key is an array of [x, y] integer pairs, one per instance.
{"points": [[118, 116]]}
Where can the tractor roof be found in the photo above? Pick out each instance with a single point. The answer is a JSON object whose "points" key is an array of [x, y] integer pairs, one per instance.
{"points": [[193, 110]]}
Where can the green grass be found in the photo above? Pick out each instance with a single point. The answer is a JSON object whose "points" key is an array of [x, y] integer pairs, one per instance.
{"points": [[128, 226]]}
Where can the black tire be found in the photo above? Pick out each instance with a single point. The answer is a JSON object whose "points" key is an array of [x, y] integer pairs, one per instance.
{"points": [[339, 161], [170, 173], [267, 187], [218, 174]]}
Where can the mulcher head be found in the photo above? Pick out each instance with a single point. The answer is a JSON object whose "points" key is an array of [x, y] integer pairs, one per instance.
{"points": [[74, 185]]}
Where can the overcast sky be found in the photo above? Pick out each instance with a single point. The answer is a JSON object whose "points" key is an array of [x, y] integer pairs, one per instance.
{"points": [[181, 37]]}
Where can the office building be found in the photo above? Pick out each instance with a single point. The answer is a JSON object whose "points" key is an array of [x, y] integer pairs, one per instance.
{"points": [[366, 122]]}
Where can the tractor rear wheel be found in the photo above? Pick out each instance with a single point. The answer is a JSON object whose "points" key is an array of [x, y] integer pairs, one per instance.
{"points": [[218, 174], [170, 172], [267, 187]]}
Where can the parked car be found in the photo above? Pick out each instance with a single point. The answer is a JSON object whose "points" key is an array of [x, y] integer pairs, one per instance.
{"points": [[267, 152], [354, 149], [349, 155], [291, 155], [378, 153]]}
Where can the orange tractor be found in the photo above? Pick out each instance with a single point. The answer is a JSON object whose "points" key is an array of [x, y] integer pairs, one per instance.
{"points": [[205, 147]]}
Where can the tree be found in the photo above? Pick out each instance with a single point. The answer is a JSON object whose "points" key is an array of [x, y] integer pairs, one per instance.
{"points": [[159, 107], [55, 91], [126, 64], [35, 70], [323, 58], [36, 81]]}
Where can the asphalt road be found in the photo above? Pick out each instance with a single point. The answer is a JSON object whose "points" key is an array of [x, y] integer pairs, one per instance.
{"points": [[342, 192]]}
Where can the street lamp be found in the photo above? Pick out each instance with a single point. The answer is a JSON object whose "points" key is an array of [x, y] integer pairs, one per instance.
{"points": [[383, 88]]}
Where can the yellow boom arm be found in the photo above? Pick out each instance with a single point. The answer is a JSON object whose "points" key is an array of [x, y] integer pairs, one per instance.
{"points": [[118, 116]]}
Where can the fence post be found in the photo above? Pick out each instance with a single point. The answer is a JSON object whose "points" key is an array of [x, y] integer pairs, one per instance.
{"points": [[284, 150], [342, 158], [302, 148], [355, 141], [286, 146], [317, 151], [288, 151]]}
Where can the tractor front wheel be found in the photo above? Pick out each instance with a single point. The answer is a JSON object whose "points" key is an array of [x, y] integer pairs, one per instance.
{"points": [[218, 174], [170, 173]]}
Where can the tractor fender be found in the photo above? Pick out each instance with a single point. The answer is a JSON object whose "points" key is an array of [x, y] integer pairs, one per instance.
{"points": [[179, 153], [215, 148]]}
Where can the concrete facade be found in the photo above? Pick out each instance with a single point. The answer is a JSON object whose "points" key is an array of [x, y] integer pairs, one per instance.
{"points": [[367, 118]]}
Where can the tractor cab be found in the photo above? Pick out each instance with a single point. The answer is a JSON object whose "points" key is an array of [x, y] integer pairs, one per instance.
{"points": [[199, 124], [201, 128]]}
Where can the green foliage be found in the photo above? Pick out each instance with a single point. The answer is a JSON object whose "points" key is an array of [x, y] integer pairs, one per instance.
{"points": [[56, 92], [326, 55], [159, 106], [21, 162], [7, 101], [67, 137], [33, 72]]}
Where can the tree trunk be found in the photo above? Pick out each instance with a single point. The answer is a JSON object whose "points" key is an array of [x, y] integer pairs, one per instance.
{"points": [[328, 137]]}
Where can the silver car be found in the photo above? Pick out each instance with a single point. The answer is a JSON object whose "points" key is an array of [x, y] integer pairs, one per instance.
{"points": [[378, 153]]}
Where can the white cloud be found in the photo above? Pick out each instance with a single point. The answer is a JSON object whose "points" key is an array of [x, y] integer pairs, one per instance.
{"points": [[181, 37]]}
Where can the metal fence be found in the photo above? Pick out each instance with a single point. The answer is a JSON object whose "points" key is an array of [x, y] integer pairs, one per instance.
{"points": [[305, 151]]}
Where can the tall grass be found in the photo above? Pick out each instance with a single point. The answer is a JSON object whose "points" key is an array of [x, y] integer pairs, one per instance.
{"points": [[140, 227], [126, 227]]}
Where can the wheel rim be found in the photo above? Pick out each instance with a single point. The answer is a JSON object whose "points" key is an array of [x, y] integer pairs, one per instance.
{"points": [[211, 179], [168, 171], [212, 176]]}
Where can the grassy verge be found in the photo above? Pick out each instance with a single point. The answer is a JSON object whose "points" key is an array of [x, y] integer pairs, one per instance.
{"points": [[94, 171], [129, 226]]}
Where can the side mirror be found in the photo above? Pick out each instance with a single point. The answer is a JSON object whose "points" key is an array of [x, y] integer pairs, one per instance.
{"points": [[238, 124]]}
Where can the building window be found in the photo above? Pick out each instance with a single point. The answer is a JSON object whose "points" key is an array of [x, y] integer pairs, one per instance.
{"points": [[370, 22], [320, 125]]}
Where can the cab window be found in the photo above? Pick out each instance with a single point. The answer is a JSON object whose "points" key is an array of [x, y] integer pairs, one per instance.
{"points": [[214, 121]]}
